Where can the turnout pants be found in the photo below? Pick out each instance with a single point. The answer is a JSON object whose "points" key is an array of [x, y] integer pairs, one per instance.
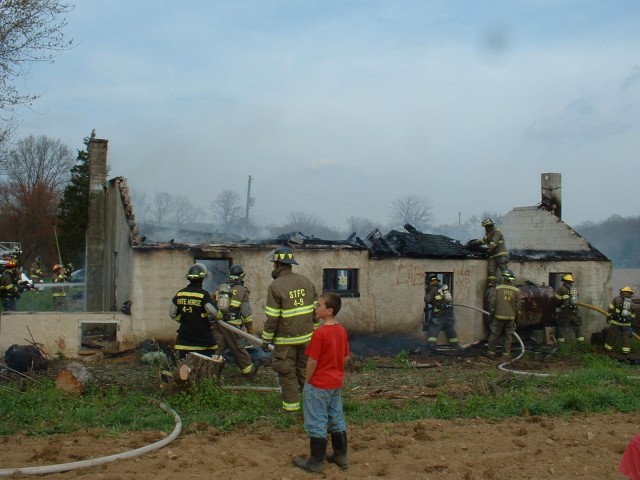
{"points": [[290, 363], [494, 264], [443, 320], [566, 320], [501, 330], [228, 339], [622, 331]]}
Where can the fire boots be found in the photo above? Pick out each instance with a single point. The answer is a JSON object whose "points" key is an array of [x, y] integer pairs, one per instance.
{"points": [[314, 463], [339, 455]]}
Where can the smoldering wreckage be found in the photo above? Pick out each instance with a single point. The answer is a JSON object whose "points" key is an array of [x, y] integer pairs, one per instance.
{"points": [[536, 325], [381, 278]]}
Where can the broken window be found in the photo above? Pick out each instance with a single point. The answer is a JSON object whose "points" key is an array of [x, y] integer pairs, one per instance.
{"points": [[555, 279], [343, 281], [446, 278]]}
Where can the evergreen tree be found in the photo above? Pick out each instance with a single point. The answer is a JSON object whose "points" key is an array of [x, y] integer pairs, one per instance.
{"points": [[74, 211]]}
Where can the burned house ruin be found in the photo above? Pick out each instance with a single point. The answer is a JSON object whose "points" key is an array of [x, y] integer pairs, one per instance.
{"points": [[380, 277]]}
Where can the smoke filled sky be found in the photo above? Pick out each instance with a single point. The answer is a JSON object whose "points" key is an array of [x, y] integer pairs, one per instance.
{"points": [[338, 107]]}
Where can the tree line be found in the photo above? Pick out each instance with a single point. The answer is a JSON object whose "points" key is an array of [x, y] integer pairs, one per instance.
{"points": [[44, 194]]}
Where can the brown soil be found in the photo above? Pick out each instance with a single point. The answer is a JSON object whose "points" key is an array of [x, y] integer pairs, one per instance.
{"points": [[528, 447]]}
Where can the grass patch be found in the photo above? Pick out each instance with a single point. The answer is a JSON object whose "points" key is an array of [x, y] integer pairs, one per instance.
{"points": [[371, 394]]}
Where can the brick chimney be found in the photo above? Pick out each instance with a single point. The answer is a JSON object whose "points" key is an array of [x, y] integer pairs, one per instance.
{"points": [[551, 184], [96, 246]]}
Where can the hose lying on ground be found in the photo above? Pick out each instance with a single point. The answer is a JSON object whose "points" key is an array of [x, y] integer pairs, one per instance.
{"points": [[502, 366], [65, 467]]}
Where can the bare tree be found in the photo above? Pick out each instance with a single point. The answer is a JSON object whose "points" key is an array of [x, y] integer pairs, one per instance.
{"points": [[303, 222], [141, 206], [184, 211], [30, 31], [227, 210], [307, 224], [162, 207], [412, 209], [362, 226], [38, 161], [36, 174]]}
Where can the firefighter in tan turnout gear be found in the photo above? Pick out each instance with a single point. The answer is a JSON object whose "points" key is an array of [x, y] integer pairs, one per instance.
{"points": [[496, 250], [232, 300], [567, 316], [620, 316], [59, 294], [290, 312], [504, 307], [440, 304], [37, 270]]}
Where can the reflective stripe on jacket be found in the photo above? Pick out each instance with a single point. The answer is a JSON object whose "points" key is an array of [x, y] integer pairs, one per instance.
{"points": [[290, 309]]}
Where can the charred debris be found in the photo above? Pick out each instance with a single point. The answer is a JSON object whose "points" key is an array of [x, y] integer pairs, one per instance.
{"points": [[410, 243]]}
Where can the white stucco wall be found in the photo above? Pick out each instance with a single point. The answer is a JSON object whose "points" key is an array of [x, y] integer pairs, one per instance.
{"points": [[59, 332]]}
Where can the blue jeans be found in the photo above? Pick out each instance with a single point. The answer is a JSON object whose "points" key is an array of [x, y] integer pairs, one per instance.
{"points": [[322, 411]]}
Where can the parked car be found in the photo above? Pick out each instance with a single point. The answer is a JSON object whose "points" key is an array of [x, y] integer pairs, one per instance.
{"points": [[78, 276]]}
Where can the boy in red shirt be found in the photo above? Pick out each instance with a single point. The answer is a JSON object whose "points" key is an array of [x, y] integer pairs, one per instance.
{"points": [[328, 351]]}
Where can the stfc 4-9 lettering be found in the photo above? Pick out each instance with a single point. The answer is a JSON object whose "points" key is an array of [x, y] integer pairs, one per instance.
{"points": [[298, 296]]}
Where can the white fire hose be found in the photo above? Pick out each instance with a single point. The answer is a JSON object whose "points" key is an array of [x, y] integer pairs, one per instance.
{"points": [[65, 467], [255, 340]]}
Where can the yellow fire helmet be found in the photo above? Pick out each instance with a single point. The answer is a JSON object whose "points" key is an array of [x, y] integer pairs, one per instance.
{"points": [[567, 277], [626, 290]]}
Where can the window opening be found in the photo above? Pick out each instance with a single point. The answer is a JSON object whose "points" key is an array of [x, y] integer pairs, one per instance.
{"points": [[218, 272], [343, 281]]}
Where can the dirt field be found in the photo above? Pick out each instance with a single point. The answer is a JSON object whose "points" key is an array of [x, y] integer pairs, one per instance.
{"points": [[527, 447]]}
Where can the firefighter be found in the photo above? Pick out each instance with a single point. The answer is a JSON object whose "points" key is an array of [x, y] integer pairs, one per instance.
{"points": [[58, 293], [567, 316], [290, 312], [68, 270], [37, 270], [496, 250], [192, 307], [620, 316], [440, 303], [9, 290], [232, 300], [504, 308]]}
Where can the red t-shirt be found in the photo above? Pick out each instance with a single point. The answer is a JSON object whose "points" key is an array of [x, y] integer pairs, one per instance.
{"points": [[329, 346]]}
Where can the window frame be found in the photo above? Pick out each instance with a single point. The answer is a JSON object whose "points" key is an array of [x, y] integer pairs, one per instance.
{"points": [[330, 282]]}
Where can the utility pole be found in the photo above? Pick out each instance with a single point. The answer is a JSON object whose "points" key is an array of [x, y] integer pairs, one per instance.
{"points": [[249, 201]]}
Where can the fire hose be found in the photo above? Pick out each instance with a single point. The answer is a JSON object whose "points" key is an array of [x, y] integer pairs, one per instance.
{"points": [[604, 312], [253, 339], [502, 366], [65, 467]]}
